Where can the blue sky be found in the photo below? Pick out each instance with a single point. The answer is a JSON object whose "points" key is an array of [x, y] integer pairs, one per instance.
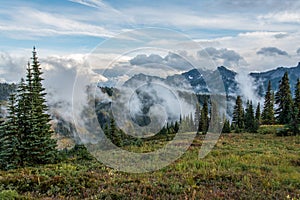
{"points": [[79, 25], [68, 29]]}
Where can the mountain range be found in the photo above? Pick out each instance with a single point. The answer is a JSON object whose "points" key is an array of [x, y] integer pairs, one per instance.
{"points": [[192, 80], [197, 82]]}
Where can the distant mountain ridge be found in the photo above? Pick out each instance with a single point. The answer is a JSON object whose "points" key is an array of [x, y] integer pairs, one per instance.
{"points": [[196, 81], [261, 78]]}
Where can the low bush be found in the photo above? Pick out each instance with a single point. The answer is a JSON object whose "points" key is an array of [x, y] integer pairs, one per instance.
{"points": [[9, 195]]}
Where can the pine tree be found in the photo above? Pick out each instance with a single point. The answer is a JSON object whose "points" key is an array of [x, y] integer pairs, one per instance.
{"points": [[203, 124], [251, 123], [9, 141], [284, 101], [294, 124], [238, 114], [191, 123], [42, 146], [249, 116], [176, 127], [24, 121], [267, 115], [197, 117], [297, 97], [226, 127], [115, 135], [257, 114]]}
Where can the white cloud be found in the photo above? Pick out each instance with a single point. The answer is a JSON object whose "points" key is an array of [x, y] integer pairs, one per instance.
{"points": [[96, 4], [282, 16], [39, 23], [12, 68], [248, 43]]}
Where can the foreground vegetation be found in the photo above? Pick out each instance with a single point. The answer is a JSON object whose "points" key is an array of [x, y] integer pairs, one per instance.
{"points": [[241, 166]]}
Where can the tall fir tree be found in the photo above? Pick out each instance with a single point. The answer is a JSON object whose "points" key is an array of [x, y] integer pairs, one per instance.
{"points": [[42, 145], [258, 114], [251, 123], [115, 134], [238, 114], [249, 116], [267, 116], [294, 124], [297, 97], [197, 117], [9, 138], [226, 127], [24, 120], [203, 123], [284, 101], [176, 127]]}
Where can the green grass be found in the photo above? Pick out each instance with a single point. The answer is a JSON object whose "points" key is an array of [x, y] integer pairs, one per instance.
{"points": [[241, 166]]}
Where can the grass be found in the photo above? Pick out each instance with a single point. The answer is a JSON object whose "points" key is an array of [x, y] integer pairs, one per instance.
{"points": [[241, 166]]}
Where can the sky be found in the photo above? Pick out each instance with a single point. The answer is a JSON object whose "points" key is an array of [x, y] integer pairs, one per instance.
{"points": [[249, 35]]}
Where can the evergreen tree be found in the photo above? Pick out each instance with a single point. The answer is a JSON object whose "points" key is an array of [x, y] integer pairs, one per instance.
{"points": [[42, 148], [238, 114], [27, 136], [284, 101], [115, 134], [293, 126], [9, 138], [203, 124], [257, 114], [171, 128], [232, 127], [197, 117], [249, 115], [267, 115], [176, 127], [251, 123], [191, 123], [163, 131], [24, 109], [297, 97], [226, 127]]}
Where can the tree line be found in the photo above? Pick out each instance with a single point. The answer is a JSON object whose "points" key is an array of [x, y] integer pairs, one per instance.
{"points": [[278, 108]]}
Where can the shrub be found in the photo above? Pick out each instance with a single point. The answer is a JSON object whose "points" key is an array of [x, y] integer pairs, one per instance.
{"points": [[9, 195], [269, 129]]}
